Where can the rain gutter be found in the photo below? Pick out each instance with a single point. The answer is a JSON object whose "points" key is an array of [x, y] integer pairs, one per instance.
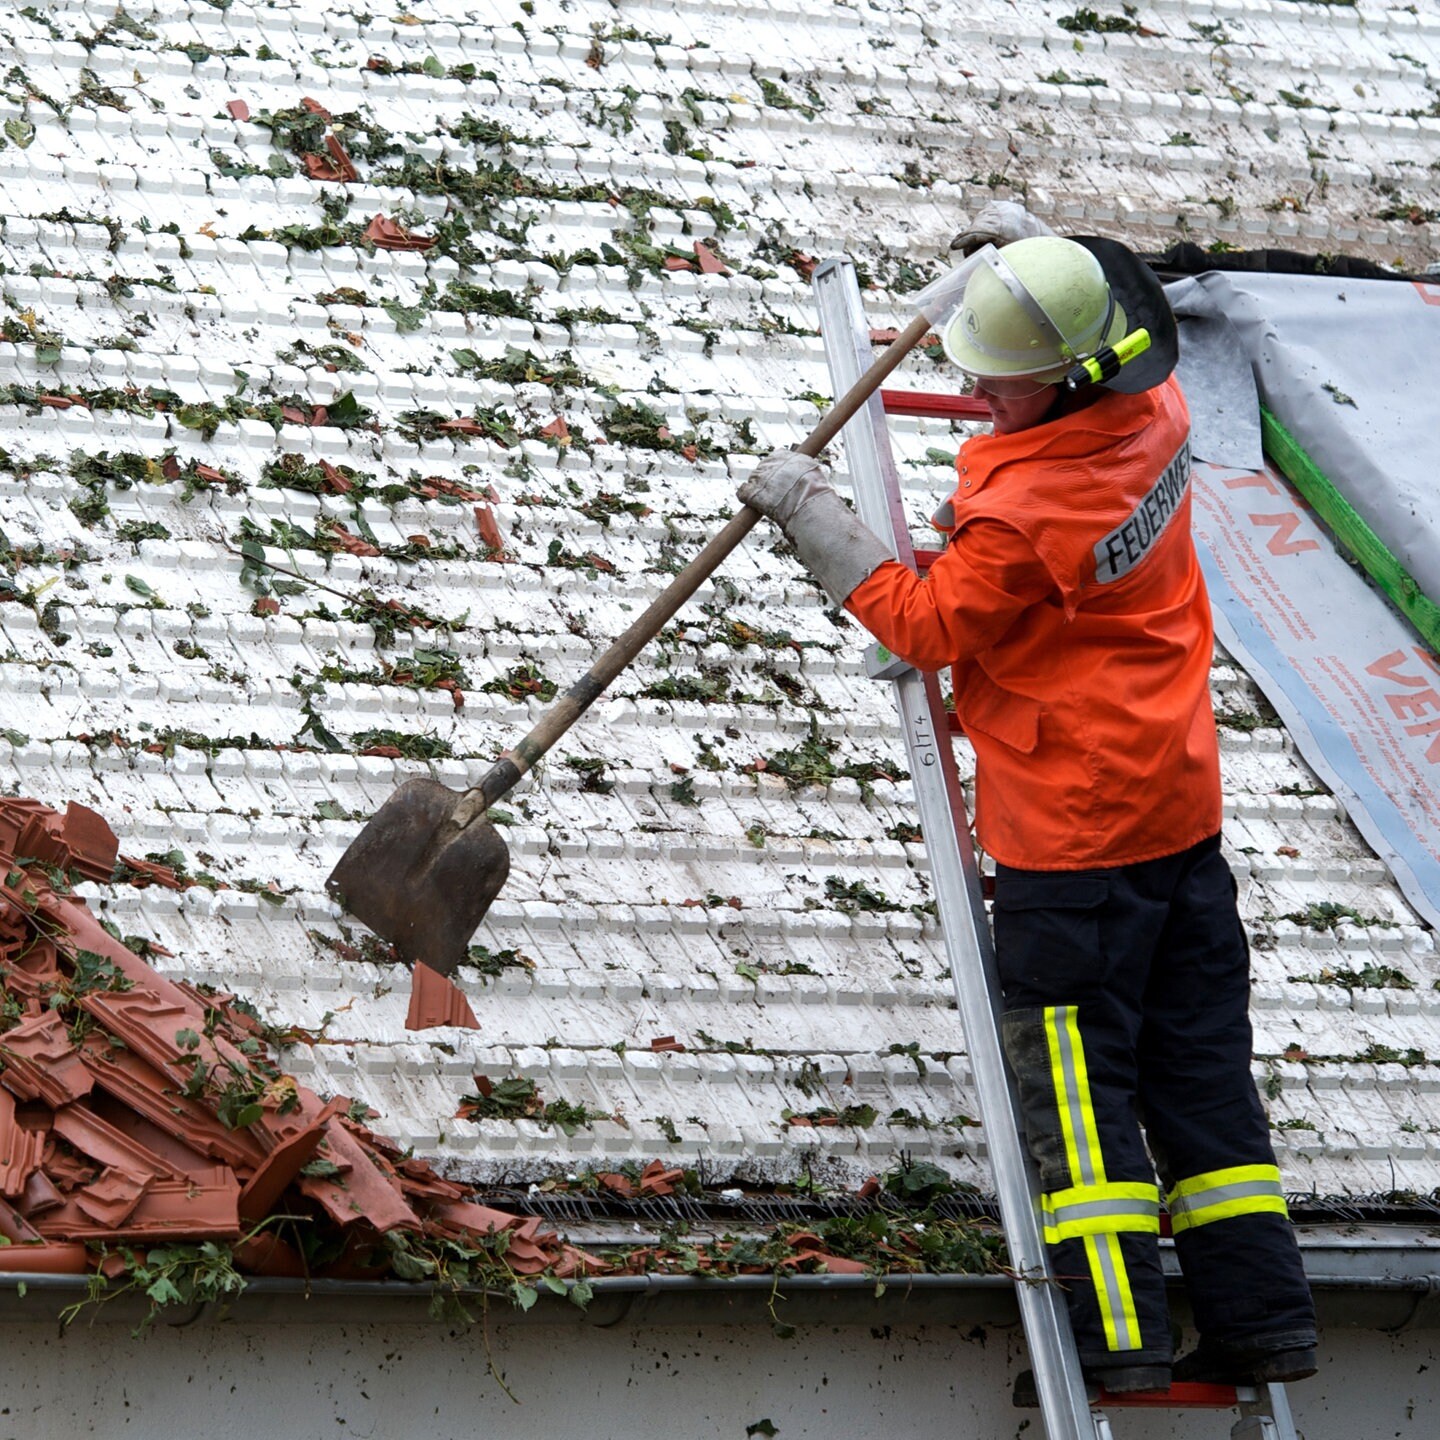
{"points": [[1372, 1278]]}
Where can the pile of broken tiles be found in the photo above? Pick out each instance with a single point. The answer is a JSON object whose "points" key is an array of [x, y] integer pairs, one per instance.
{"points": [[138, 1109]]}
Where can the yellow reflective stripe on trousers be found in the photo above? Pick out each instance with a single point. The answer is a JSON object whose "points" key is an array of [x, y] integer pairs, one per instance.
{"points": [[1112, 1290], [1084, 1210], [1087, 1169], [1072, 1093], [1224, 1195]]}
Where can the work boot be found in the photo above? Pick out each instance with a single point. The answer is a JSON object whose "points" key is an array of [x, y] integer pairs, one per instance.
{"points": [[1131, 1379], [1288, 1358], [1114, 1379]]}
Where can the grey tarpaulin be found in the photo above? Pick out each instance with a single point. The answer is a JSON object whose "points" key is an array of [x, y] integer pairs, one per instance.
{"points": [[1215, 373], [1351, 368]]}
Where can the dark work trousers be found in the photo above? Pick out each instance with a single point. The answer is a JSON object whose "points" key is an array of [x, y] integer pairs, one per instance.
{"points": [[1127, 1003]]}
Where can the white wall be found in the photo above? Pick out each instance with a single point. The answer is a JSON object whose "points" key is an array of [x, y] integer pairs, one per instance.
{"points": [[418, 1382]]}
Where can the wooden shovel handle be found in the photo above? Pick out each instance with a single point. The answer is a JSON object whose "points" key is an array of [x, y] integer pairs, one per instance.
{"points": [[513, 765]]}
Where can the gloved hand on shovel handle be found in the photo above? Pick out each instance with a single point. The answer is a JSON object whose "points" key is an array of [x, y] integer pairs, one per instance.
{"points": [[794, 491], [999, 223]]}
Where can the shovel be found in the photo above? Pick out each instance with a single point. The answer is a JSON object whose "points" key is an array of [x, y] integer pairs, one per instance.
{"points": [[423, 871]]}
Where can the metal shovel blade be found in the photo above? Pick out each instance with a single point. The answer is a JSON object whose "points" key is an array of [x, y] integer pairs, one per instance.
{"points": [[419, 880]]}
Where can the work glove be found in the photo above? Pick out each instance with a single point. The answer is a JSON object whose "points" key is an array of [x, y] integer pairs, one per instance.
{"points": [[794, 491], [999, 223]]}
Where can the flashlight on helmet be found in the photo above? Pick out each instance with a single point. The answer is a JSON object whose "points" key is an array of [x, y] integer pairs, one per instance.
{"points": [[1106, 364]]}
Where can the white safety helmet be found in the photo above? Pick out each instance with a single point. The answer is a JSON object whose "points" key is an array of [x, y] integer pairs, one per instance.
{"points": [[1033, 310]]}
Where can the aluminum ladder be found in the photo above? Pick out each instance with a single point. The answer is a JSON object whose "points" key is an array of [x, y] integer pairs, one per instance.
{"points": [[1068, 1413]]}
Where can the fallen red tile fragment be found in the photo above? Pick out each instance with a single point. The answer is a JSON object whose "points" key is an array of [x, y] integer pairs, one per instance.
{"points": [[41, 1062], [387, 234], [352, 544], [437, 1000], [238, 109], [657, 1179], [314, 107], [665, 1042], [112, 1199], [678, 262], [337, 481], [20, 1150], [489, 528], [260, 1193], [335, 166], [710, 263]]}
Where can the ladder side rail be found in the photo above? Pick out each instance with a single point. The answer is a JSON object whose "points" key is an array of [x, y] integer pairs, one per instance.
{"points": [[955, 880]]}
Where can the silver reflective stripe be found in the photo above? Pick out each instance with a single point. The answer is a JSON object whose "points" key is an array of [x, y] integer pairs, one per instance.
{"points": [[1095, 1209], [1220, 1194], [1107, 1251]]}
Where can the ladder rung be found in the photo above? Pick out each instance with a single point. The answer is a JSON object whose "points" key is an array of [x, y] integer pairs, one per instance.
{"points": [[924, 559], [919, 402], [1183, 1395]]}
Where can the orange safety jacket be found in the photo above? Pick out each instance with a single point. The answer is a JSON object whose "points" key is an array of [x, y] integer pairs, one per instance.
{"points": [[1070, 602]]}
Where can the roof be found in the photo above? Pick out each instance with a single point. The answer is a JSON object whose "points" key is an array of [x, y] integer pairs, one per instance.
{"points": [[217, 366]]}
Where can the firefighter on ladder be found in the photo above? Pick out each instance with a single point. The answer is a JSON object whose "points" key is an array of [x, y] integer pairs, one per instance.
{"points": [[1070, 604]]}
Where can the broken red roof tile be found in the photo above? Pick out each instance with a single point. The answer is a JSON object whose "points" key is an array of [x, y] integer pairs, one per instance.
{"points": [[164, 1145], [40, 1195], [802, 262], [340, 483], [277, 1171], [438, 485], [238, 109], [150, 872], [710, 263], [557, 430], [41, 1062], [140, 1085], [437, 1000], [459, 1216], [657, 1179], [489, 528], [20, 1149], [678, 262], [66, 1168], [15, 1228], [314, 107], [45, 1259], [387, 234], [168, 1210], [336, 166], [664, 1043], [352, 544], [111, 1200], [86, 1132], [268, 1254]]}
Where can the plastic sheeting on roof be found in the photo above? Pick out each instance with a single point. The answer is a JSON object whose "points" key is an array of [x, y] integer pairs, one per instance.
{"points": [[1349, 368]]}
